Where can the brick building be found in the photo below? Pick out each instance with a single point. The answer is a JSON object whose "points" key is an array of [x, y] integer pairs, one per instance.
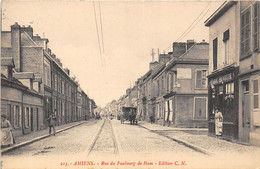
{"points": [[36, 65], [64, 91]]}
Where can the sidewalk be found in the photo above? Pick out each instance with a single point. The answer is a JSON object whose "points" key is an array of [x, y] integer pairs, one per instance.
{"points": [[38, 135], [198, 139]]}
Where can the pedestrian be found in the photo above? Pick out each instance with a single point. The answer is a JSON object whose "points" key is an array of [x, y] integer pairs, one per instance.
{"points": [[152, 119], [7, 137], [52, 120], [218, 123], [122, 118]]}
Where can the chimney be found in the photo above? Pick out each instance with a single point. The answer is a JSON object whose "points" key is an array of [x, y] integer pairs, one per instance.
{"points": [[190, 43], [152, 65], [7, 65], [164, 58], [28, 30], [49, 51], [58, 62], [16, 45], [67, 71], [53, 56], [179, 48]]}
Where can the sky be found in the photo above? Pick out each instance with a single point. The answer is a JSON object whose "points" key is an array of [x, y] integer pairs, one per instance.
{"points": [[130, 30]]}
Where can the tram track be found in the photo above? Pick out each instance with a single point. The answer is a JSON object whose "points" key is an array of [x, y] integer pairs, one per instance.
{"points": [[105, 141], [181, 142]]}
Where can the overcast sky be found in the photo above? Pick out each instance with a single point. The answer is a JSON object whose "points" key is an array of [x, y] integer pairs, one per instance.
{"points": [[130, 30]]}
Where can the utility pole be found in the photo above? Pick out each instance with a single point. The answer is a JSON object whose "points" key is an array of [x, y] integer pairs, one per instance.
{"points": [[152, 55], [158, 50]]}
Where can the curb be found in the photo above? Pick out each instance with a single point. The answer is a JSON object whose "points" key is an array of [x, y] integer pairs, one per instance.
{"points": [[190, 145], [19, 145]]}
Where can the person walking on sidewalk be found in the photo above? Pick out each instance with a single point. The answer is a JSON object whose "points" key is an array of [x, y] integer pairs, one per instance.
{"points": [[52, 121], [7, 137], [218, 123]]}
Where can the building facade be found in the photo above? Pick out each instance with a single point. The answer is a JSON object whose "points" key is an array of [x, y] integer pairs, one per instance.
{"points": [[41, 71], [234, 69], [22, 105]]}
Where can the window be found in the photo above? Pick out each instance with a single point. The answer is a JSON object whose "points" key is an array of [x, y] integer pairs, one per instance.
{"points": [[245, 33], [245, 85], [47, 73], [162, 92], [55, 82], [229, 88], [27, 117], [201, 78], [17, 116], [172, 81], [200, 108], [256, 94], [62, 87], [256, 26], [215, 53], [169, 82], [226, 47], [158, 88]]}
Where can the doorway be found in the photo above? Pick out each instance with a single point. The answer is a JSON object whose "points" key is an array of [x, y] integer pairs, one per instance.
{"points": [[245, 111]]}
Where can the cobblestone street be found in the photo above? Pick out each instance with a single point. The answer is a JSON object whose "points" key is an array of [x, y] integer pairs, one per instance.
{"points": [[102, 141]]}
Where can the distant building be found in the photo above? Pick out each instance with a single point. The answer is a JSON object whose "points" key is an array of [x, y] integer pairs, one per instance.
{"points": [[174, 90]]}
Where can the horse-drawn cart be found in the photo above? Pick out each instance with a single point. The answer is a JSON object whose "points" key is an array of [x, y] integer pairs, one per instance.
{"points": [[129, 114]]}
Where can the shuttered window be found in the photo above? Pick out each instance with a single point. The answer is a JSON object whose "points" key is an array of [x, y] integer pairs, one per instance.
{"points": [[245, 33], [215, 53], [200, 108], [256, 26], [201, 78], [256, 94]]}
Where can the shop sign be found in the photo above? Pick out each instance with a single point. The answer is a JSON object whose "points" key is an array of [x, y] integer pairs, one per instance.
{"points": [[222, 79]]}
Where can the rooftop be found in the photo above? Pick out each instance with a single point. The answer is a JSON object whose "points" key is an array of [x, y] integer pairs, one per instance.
{"points": [[219, 12]]}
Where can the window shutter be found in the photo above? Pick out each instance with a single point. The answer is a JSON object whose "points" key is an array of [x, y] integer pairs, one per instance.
{"points": [[226, 35], [172, 78], [198, 79], [256, 26], [215, 53], [200, 108], [245, 33]]}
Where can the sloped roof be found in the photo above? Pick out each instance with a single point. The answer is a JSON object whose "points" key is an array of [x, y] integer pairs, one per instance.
{"points": [[158, 69], [219, 12], [196, 52], [14, 80], [26, 40]]}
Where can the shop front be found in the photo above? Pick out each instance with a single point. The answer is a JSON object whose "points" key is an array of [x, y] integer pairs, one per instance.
{"points": [[223, 93]]}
